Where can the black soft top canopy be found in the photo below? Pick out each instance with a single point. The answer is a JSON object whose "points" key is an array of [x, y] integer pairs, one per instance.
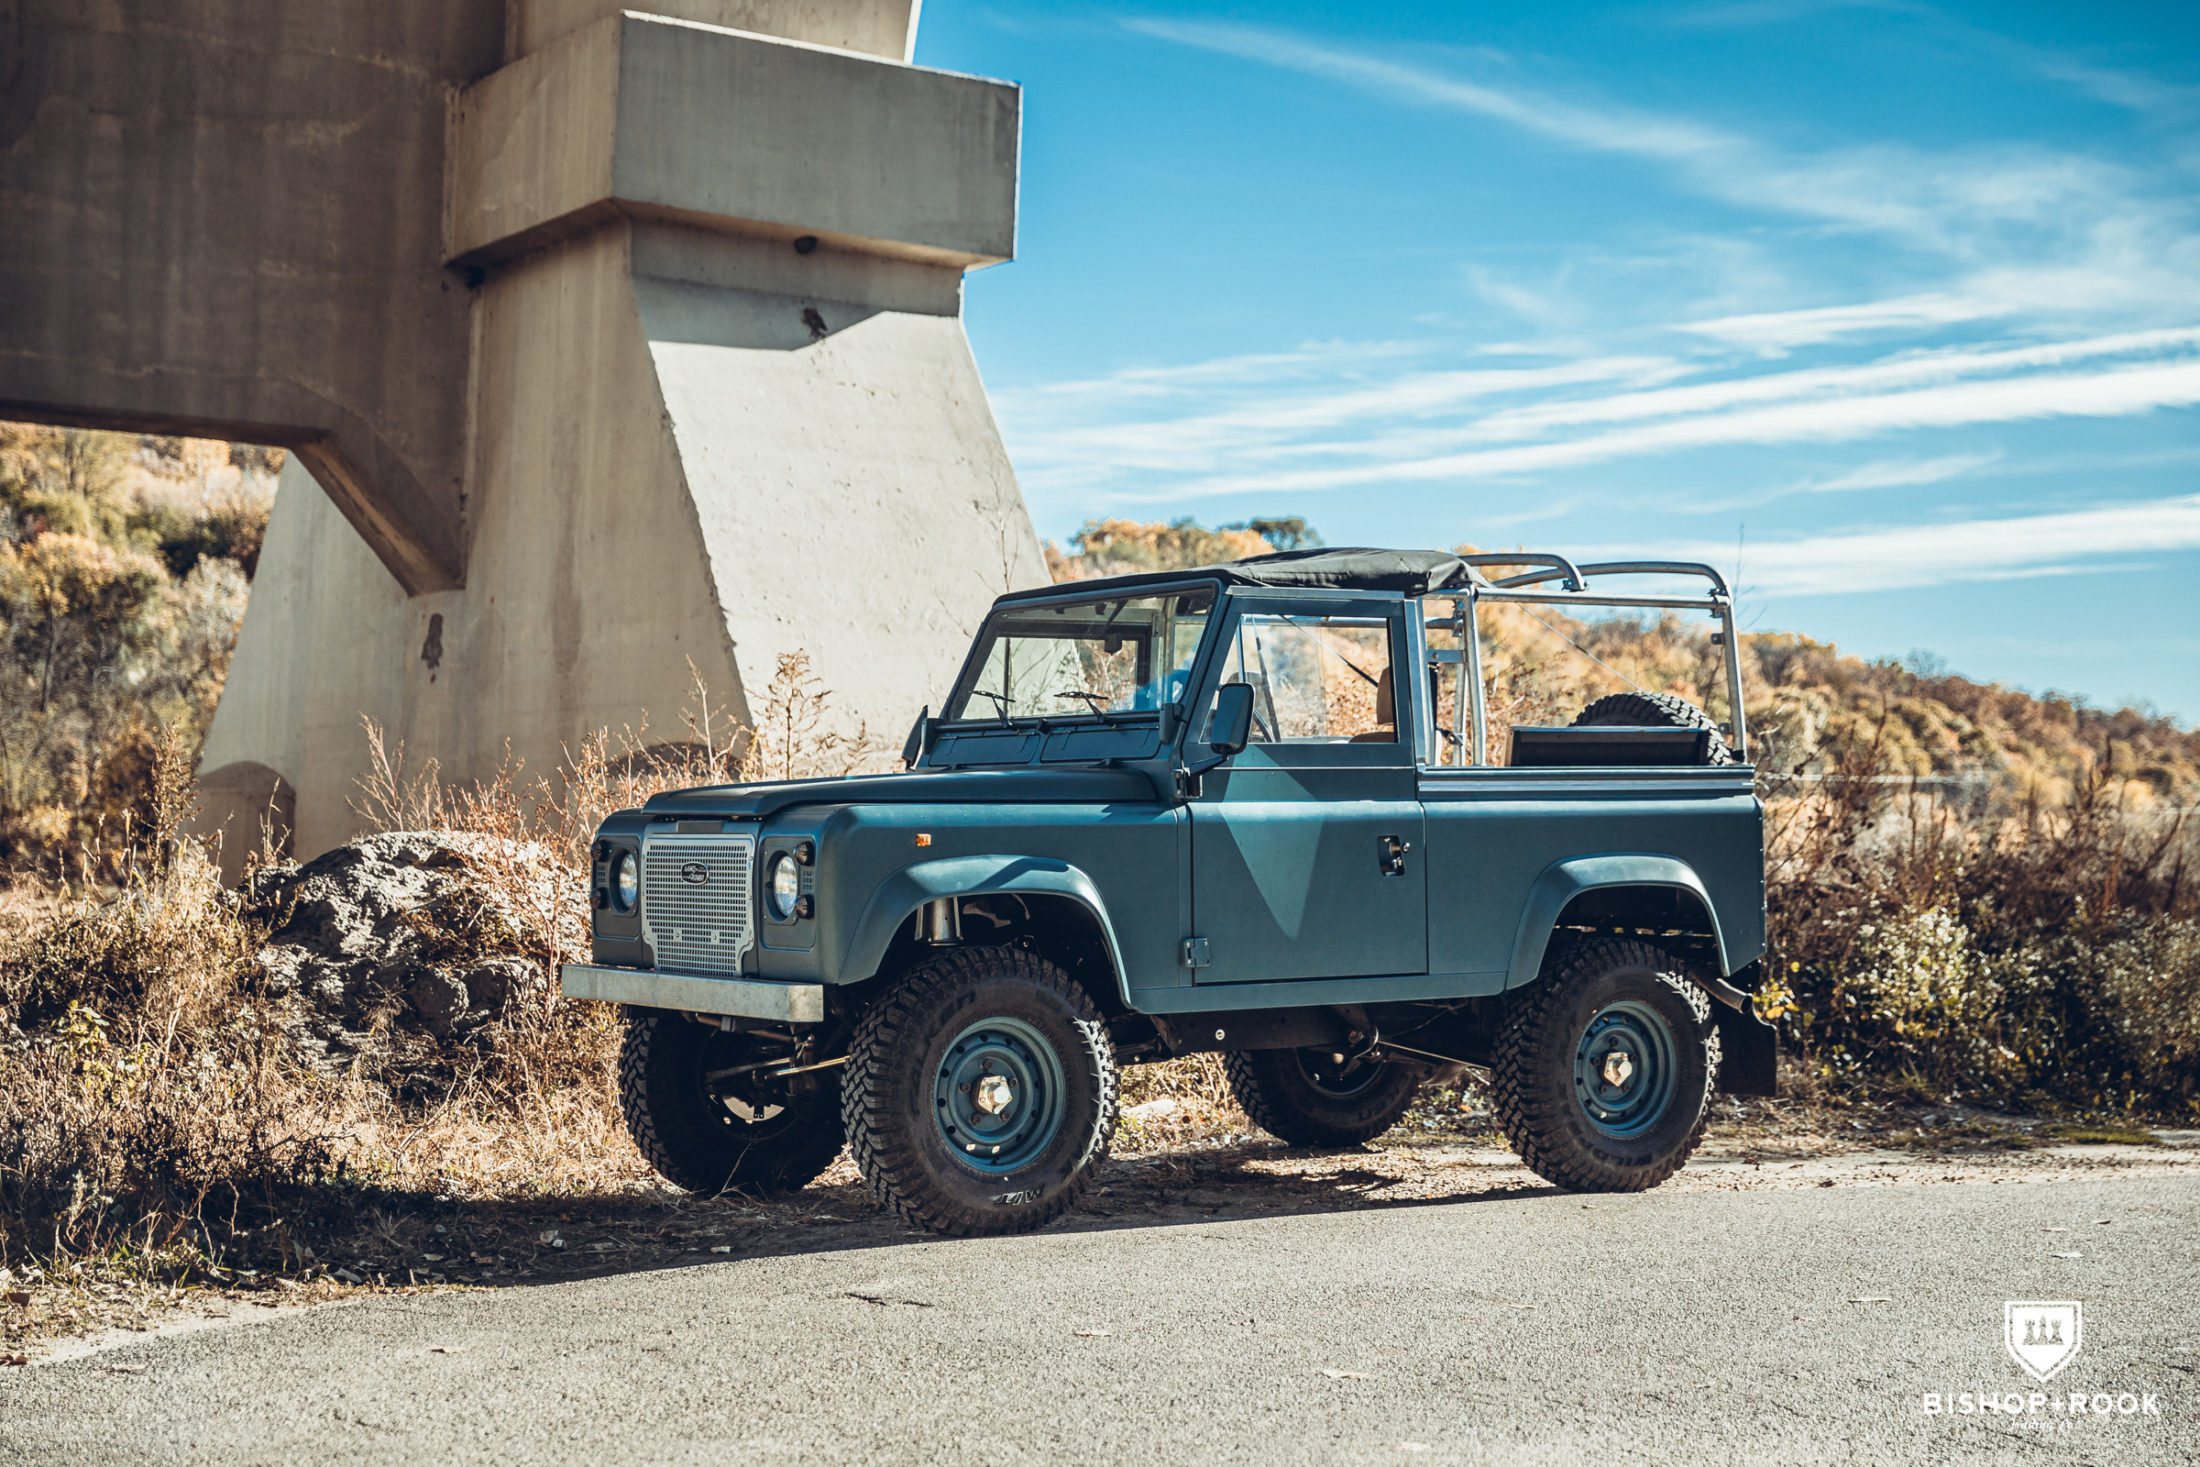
{"points": [[1408, 572]]}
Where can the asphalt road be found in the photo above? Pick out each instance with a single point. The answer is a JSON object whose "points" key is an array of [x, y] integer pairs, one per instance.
{"points": [[1677, 1326]]}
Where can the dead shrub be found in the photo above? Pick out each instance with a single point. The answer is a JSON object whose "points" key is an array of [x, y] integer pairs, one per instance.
{"points": [[1975, 943]]}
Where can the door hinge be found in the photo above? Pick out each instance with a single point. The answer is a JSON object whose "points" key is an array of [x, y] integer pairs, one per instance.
{"points": [[1195, 952]]}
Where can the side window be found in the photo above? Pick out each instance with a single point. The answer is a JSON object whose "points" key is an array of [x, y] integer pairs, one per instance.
{"points": [[1315, 679]]}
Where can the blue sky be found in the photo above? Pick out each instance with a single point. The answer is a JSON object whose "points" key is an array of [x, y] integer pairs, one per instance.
{"points": [[1901, 303]]}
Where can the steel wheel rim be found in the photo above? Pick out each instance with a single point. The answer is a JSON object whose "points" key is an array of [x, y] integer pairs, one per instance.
{"points": [[735, 1099], [1626, 1069], [1016, 1054], [1348, 1080]]}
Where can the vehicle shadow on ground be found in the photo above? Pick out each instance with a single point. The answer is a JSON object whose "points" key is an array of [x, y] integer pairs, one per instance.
{"points": [[407, 1238]]}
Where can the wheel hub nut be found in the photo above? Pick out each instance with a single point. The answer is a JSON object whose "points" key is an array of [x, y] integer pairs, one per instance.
{"points": [[1618, 1066], [993, 1095]]}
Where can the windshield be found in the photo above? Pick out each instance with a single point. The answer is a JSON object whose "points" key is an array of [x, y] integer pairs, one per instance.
{"points": [[1084, 659]]}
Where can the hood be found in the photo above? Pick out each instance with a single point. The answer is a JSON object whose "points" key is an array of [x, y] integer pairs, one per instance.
{"points": [[1041, 786]]}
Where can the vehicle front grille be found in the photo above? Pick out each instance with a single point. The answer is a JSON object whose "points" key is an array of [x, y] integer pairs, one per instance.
{"points": [[697, 926]]}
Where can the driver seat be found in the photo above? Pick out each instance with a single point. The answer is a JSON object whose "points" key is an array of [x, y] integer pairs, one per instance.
{"points": [[1386, 714]]}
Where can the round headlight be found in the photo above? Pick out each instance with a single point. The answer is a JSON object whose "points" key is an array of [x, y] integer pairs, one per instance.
{"points": [[783, 885], [626, 880]]}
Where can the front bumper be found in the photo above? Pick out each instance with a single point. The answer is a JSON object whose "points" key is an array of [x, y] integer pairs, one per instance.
{"points": [[748, 998]]}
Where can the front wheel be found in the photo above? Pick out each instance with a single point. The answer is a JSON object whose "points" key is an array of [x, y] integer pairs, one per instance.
{"points": [[702, 1107], [1605, 1069], [980, 1093], [1316, 1097]]}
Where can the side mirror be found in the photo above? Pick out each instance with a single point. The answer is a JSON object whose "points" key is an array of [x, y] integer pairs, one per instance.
{"points": [[1230, 728], [912, 748]]}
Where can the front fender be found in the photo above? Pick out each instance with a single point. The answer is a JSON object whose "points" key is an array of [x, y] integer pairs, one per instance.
{"points": [[1562, 881], [900, 894]]}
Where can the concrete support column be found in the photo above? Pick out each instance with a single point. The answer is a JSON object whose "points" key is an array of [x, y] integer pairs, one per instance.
{"points": [[718, 406]]}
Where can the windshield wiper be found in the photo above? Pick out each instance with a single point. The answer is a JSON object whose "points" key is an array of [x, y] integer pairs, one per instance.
{"points": [[1094, 703], [1000, 704]]}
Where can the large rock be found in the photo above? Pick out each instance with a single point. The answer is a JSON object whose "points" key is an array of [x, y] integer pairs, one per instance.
{"points": [[407, 943]]}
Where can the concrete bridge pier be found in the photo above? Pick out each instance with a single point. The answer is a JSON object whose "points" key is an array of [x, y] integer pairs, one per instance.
{"points": [[653, 369]]}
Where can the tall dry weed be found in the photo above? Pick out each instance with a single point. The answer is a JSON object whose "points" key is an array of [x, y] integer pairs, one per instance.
{"points": [[141, 1094], [547, 1076], [1978, 943], [153, 1113]]}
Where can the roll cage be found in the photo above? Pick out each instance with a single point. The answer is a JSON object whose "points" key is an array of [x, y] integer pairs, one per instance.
{"points": [[1470, 715], [1425, 576]]}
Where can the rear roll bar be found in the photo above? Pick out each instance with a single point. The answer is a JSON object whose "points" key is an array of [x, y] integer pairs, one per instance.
{"points": [[1470, 716], [1560, 567], [1564, 570]]}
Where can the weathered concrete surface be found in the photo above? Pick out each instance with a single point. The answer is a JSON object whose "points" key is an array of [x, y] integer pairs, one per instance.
{"points": [[626, 348], [633, 115], [885, 28], [1537, 1327], [748, 491], [227, 218], [589, 594]]}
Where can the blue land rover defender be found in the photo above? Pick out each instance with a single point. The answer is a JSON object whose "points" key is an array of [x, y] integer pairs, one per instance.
{"points": [[1258, 809]]}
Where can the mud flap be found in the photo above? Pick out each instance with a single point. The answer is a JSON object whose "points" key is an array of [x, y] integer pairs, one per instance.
{"points": [[1749, 1056]]}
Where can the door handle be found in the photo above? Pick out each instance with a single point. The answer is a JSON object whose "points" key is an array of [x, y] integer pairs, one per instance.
{"points": [[1392, 857]]}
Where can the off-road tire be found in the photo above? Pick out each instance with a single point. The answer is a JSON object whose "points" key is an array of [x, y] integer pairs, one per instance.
{"points": [[1276, 1093], [1533, 1090], [1656, 710], [888, 1098], [691, 1137]]}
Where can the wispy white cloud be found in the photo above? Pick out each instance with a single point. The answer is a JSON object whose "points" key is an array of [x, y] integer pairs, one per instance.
{"points": [[1951, 201], [1323, 360], [1970, 550], [1228, 436], [1878, 473], [1902, 370], [2120, 393], [2022, 230], [1897, 473], [2072, 261], [1779, 331], [1256, 415], [1607, 129], [2131, 90]]}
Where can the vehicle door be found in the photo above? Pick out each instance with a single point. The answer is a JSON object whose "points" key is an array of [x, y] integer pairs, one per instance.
{"points": [[1306, 847]]}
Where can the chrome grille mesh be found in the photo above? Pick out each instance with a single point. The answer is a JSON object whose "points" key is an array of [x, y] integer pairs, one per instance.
{"points": [[691, 926]]}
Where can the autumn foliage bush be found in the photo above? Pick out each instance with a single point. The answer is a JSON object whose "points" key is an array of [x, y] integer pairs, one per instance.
{"points": [[1977, 946], [124, 565]]}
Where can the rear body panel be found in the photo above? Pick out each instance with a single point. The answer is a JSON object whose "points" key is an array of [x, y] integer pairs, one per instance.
{"points": [[1493, 833]]}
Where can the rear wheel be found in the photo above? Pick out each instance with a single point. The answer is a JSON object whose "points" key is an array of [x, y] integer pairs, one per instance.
{"points": [[703, 1108], [1605, 1069], [980, 1093], [1320, 1097]]}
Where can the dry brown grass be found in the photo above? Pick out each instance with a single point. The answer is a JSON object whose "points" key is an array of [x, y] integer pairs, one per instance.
{"points": [[1930, 944], [157, 1136], [149, 1123]]}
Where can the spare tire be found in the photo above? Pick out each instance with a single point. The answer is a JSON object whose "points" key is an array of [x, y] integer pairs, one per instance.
{"points": [[1656, 710]]}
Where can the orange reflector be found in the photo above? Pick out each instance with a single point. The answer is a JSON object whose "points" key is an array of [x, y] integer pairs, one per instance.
{"points": [[923, 838]]}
